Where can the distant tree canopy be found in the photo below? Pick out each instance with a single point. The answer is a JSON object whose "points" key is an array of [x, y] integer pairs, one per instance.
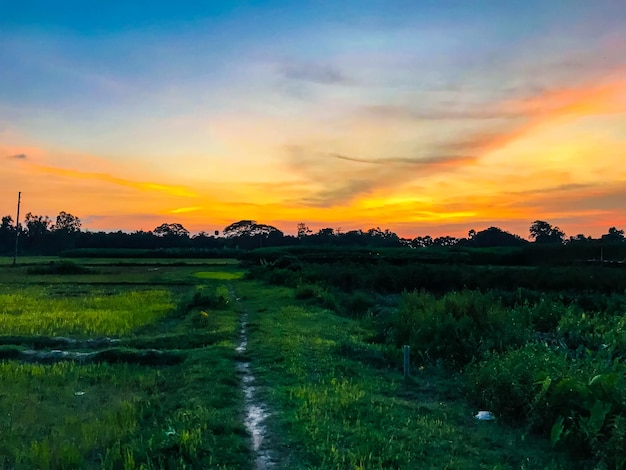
{"points": [[37, 225], [39, 235], [249, 228], [614, 236], [175, 230], [544, 233], [67, 223], [491, 237]]}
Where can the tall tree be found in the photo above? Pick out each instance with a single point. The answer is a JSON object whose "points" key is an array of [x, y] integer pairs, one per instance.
{"points": [[7, 234], [67, 223], [7, 224], [614, 236], [176, 230], [248, 234], [37, 225], [303, 230], [493, 236], [542, 232]]}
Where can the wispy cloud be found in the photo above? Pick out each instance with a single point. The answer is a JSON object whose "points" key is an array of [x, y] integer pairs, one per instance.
{"points": [[341, 178], [418, 161], [319, 73], [107, 178], [18, 156]]}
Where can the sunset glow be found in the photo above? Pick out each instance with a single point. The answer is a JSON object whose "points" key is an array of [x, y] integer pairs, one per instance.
{"points": [[421, 117]]}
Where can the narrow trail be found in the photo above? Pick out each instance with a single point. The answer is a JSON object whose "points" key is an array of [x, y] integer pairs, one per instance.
{"points": [[255, 410]]}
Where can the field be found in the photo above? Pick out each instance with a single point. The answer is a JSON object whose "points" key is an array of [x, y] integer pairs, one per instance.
{"points": [[152, 382], [140, 363]]}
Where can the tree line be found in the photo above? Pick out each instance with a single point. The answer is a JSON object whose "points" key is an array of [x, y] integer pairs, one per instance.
{"points": [[39, 234]]}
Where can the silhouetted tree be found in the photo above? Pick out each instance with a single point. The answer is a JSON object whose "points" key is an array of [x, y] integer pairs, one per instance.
{"points": [[445, 241], [614, 236], [493, 236], [542, 232], [303, 230], [67, 223], [37, 228], [422, 242], [37, 225], [176, 230], [580, 238], [248, 234], [249, 228], [7, 234]]}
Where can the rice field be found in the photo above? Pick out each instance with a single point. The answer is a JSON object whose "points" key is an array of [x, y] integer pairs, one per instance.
{"points": [[32, 311], [124, 414]]}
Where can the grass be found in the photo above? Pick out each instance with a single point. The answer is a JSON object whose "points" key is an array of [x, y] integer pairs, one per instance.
{"points": [[336, 399], [114, 414], [32, 311], [344, 404], [219, 275]]}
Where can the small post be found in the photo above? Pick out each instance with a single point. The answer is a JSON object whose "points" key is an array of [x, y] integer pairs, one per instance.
{"points": [[17, 227], [407, 364]]}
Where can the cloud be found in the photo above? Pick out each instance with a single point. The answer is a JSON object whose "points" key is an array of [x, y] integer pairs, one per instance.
{"points": [[433, 112], [323, 74], [336, 179], [172, 190], [450, 160], [19, 156]]}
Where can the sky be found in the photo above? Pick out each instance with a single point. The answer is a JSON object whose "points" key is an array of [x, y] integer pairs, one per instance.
{"points": [[427, 117]]}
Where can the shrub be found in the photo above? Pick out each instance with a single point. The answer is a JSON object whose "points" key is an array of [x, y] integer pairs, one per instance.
{"points": [[458, 328], [216, 299], [307, 291], [507, 383], [357, 304], [580, 405]]}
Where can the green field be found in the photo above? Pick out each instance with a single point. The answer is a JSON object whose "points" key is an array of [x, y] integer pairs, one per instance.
{"points": [[129, 409], [151, 377]]}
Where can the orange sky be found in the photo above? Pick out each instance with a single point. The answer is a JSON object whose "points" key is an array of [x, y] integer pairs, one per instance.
{"points": [[359, 136]]}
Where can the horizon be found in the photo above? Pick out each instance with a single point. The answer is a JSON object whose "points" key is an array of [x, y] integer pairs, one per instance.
{"points": [[425, 119]]}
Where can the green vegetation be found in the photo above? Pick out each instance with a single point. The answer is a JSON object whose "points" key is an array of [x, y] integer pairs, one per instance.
{"points": [[220, 275], [32, 311], [163, 394], [541, 348], [148, 372], [344, 404]]}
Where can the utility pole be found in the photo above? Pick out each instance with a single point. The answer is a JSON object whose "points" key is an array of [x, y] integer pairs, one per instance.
{"points": [[17, 227]]}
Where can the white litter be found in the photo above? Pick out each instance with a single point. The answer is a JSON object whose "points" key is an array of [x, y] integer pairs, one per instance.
{"points": [[485, 416], [80, 393]]}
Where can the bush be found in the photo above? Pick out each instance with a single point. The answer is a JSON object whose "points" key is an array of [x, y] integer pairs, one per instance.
{"points": [[507, 383], [357, 304], [459, 328], [580, 405], [216, 299], [307, 291]]}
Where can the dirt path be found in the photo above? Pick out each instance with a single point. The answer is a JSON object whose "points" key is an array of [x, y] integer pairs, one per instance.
{"points": [[255, 410]]}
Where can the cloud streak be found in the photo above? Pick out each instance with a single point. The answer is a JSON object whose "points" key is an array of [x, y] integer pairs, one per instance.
{"points": [[172, 190], [316, 73]]}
